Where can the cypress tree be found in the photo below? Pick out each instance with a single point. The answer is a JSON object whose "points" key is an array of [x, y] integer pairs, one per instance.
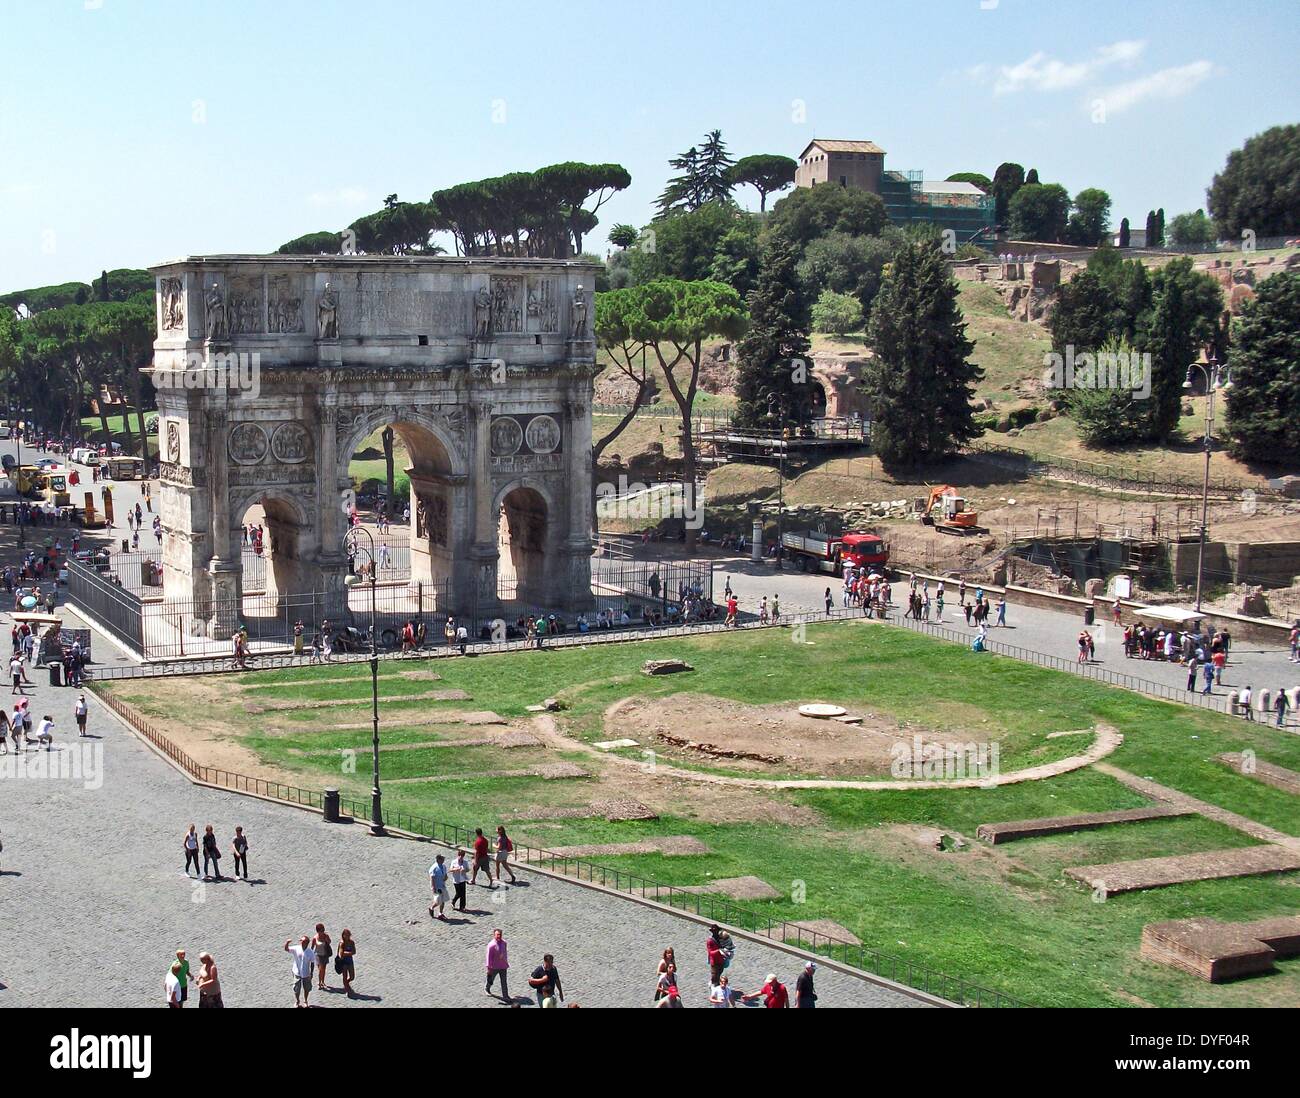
{"points": [[1151, 228], [1124, 233], [1264, 401], [773, 354], [1186, 305], [921, 379], [1160, 226]]}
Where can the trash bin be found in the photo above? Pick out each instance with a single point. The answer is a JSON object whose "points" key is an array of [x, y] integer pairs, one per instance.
{"points": [[331, 805], [1089, 615], [56, 674]]}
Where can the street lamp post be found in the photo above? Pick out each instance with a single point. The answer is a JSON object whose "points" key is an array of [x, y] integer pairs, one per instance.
{"points": [[18, 512], [772, 405], [376, 801], [1216, 378]]}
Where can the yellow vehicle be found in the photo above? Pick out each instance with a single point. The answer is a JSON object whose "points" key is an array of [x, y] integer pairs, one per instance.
{"points": [[54, 486], [27, 480], [124, 468]]}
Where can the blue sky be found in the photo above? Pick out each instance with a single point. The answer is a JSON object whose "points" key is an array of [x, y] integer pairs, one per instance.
{"points": [[132, 131]]}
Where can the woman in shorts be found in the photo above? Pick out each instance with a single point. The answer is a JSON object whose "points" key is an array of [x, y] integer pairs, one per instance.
{"points": [[504, 847], [324, 950], [345, 964]]}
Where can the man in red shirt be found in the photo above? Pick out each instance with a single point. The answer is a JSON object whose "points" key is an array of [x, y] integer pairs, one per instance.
{"points": [[717, 956], [732, 604], [481, 860], [774, 993]]}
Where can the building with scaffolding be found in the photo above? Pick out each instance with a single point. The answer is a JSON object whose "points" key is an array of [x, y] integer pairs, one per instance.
{"points": [[909, 198]]}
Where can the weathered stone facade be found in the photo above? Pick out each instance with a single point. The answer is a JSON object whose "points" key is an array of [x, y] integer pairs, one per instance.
{"points": [[271, 370]]}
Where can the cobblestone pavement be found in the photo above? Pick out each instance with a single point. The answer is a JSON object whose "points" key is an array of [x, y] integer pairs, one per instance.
{"points": [[96, 901]]}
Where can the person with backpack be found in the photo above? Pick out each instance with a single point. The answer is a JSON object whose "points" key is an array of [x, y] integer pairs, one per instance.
{"points": [[504, 847]]}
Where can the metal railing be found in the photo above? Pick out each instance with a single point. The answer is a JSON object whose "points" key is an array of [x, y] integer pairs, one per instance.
{"points": [[1117, 478], [852, 955]]}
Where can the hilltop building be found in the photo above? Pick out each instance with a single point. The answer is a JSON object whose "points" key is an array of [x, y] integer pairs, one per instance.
{"points": [[908, 196]]}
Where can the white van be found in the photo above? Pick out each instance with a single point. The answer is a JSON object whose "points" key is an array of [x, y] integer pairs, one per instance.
{"points": [[83, 455]]}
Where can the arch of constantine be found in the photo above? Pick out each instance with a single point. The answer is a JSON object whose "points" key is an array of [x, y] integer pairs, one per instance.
{"points": [[271, 371]]}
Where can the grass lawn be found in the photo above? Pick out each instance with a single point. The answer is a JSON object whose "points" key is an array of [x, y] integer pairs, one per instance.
{"points": [[1009, 351], [94, 432], [1004, 917]]}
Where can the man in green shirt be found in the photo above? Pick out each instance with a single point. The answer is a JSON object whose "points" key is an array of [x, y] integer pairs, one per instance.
{"points": [[183, 975]]}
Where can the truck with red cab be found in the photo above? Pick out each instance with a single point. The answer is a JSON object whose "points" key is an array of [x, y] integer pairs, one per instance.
{"points": [[818, 552]]}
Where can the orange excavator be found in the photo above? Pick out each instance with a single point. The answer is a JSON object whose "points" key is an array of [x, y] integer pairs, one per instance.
{"points": [[954, 516]]}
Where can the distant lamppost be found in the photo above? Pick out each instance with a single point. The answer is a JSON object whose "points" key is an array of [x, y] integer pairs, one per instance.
{"points": [[1216, 377], [773, 404], [18, 511], [351, 547]]}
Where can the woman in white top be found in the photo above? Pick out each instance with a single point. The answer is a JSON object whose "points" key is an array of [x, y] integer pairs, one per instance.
{"points": [[192, 849]]}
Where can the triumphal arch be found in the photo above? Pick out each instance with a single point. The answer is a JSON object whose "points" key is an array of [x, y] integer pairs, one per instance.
{"points": [[271, 370]]}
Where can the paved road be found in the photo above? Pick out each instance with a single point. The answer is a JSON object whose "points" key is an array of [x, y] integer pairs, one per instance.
{"points": [[1047, 631], [95, 902]]}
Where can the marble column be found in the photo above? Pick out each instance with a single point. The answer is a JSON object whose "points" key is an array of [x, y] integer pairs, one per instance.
{"points": [[225, 569], [572, 576], [477, 594]]}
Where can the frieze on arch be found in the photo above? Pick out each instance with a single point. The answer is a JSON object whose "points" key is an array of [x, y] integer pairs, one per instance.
{"points": [[452, 418]]}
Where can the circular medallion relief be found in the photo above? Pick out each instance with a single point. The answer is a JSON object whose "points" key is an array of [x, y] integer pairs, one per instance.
{"points": [[543, 435], [291, 443], [506, 437], [247, 444]]}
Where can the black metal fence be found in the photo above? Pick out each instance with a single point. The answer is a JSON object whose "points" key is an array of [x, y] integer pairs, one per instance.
{"points": [[116, 608], [1114, 477]]}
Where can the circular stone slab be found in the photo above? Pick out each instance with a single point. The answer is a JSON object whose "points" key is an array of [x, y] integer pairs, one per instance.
{"points": [[821, 711]]}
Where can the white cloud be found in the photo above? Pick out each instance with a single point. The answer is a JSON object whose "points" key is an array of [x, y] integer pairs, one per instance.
{"points": [[1165, 84], [1039, 72], [342, 196]]}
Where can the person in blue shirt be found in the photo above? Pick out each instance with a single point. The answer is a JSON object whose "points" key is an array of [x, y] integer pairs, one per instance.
{"points": [[438, 879]]}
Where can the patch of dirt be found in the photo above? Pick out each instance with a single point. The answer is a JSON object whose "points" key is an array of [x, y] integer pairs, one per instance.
{"points": [[209, 743], [822, 928], [738, 888], [758, 738], [668, 795]]}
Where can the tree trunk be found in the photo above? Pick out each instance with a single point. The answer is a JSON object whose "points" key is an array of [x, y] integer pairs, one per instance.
{"points": [[139, 415], [599, 448], [685, 403]]}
